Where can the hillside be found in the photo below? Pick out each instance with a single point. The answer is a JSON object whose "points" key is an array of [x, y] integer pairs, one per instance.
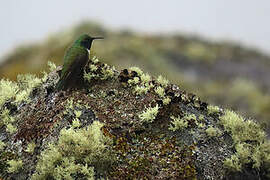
{"points": [[222, 73], [122, 125]]}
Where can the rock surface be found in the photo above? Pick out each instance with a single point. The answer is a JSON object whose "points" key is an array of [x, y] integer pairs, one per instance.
{"points": [[125, 125]]}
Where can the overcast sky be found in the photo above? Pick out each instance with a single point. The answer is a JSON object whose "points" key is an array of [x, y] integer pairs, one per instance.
{"points": [[246, 21]]}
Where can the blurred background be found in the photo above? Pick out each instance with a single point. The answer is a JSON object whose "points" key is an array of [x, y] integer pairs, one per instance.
{"points": [[218, 50]]}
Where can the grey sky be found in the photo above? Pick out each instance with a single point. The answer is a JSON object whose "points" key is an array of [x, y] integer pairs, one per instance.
{"points": [[246, 21]]}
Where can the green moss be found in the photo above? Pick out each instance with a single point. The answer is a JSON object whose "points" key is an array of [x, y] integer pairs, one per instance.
{"points": [[149, 115], [14, 165], [76, 154]]}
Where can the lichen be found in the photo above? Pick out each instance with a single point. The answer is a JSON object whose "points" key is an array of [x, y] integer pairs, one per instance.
{"points": [[8, 90], [14, 165], [2, 145], [52, 66], [76, 154], [162, 81], [243, 131], [149, 115], [30, 147], [212, 132], [213, 109], [178, 123], [160, 91]]}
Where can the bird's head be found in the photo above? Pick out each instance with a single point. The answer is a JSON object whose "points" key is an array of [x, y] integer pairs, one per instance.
{"points": [[86, 41]]}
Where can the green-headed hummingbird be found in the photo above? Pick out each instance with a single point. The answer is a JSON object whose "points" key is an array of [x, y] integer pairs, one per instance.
{"points": [[75, 59]]}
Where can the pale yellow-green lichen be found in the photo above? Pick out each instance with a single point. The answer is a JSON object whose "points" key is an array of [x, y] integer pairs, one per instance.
{"points": [[95, 60], [137, 70], [8, 90], [233, 163], [133, 81], [162, 81], [181, 123], [75, 154], [52, 66], [166, 100], [106, 72], [145, 78], [178, 123], [140, 89], [149, 115], [212, 132], [31, 147], [76, 123], [14, 165], [213, 109], [10, 128], [2, 145], [160, 91], [26, 84], [93, 67], [77, 113], [243, 131]]}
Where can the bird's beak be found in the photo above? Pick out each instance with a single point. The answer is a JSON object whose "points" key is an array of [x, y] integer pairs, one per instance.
{"points": [[97, 38]]}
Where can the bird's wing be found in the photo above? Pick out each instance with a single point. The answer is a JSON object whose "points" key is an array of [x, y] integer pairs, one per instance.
{"points": [[73, 56]]}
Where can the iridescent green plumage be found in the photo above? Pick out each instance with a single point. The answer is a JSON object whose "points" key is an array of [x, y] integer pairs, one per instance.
{"points": [[75, 59]]}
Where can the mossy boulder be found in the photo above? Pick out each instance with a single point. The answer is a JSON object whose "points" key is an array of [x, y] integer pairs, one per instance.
{"points": [[122, 125]]}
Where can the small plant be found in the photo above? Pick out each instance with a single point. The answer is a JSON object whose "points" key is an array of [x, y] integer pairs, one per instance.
{"points": [[149, 115]]}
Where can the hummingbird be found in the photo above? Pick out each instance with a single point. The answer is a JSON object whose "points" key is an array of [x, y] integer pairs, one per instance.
{"points": [[75, 59]]}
